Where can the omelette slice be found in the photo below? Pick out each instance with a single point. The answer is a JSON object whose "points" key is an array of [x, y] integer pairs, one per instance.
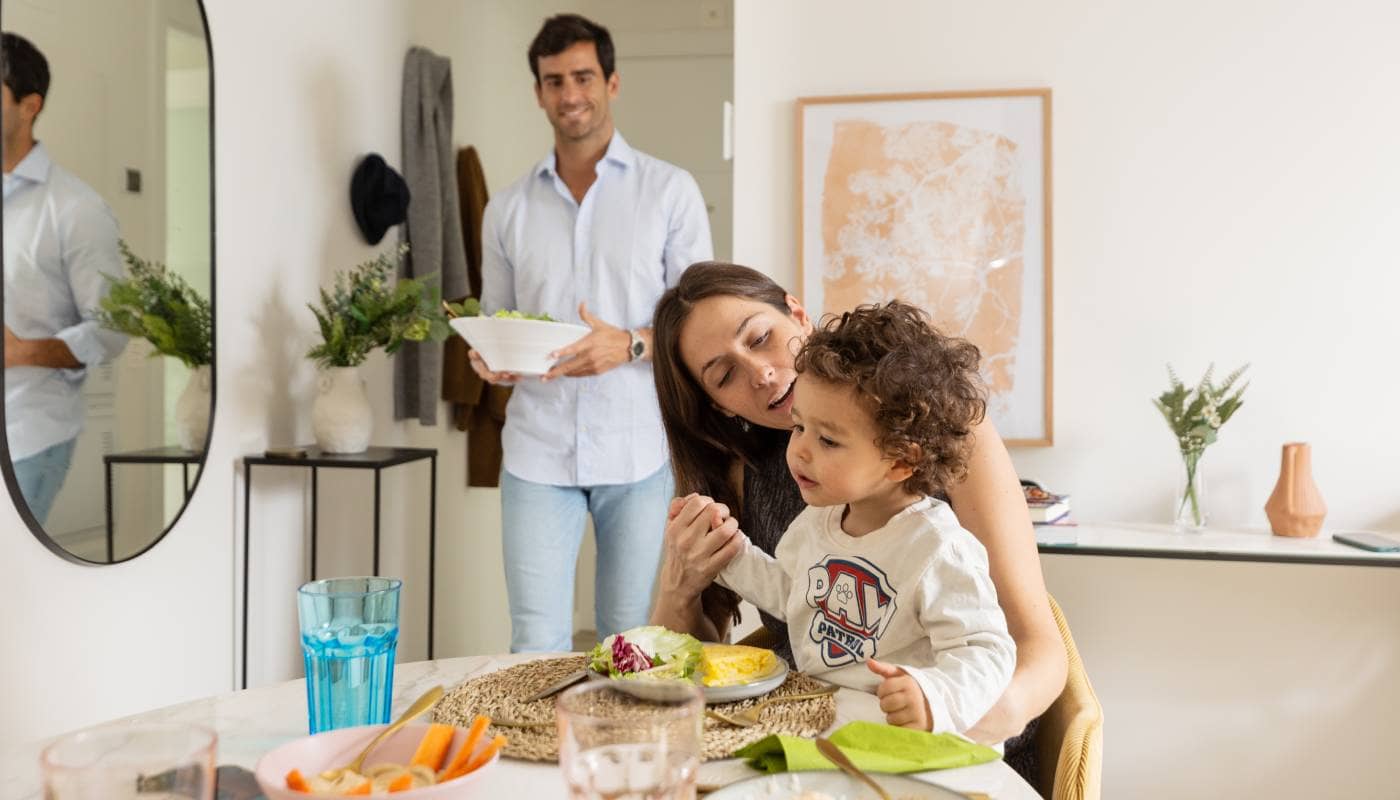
{"points": [[734, 664]]}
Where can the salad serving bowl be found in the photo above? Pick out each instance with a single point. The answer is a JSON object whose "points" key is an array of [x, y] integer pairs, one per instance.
{"points": [[512, 344]]}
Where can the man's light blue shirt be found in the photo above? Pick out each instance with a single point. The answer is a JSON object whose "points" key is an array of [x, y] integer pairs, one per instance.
{"points": [[641, 223], [60, 243]]}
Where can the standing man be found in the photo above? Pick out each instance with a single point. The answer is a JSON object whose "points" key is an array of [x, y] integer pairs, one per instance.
{"points": [[595, 232], [60, 239]]}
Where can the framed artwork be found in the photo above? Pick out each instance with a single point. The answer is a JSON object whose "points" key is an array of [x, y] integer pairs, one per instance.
{"points": [[941, 200]]}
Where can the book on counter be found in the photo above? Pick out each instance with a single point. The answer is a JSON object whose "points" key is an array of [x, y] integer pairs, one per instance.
{"points": [[1046, 508]]}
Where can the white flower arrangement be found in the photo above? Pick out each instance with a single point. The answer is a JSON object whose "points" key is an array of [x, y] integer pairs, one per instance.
{"points": [[1195, 415]]}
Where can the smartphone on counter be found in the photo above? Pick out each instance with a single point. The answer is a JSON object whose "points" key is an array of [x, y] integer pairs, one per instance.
{"points": [[1368, 540]]}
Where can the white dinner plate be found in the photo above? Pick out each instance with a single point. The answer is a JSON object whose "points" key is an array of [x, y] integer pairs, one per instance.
{"points": [[763, 684], [760, 685], [835, 785]]}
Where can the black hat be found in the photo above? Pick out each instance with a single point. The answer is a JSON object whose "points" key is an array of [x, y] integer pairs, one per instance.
{"points": [[378, 196]]}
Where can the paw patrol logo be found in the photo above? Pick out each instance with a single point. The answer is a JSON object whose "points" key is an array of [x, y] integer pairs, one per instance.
{"points": [[854, 604]]}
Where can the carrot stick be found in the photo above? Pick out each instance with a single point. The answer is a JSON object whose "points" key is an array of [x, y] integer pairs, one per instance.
{"points": [[480, 758], [296, 782], [362, 789], [401, 783], [432, 750], [478, 729]]}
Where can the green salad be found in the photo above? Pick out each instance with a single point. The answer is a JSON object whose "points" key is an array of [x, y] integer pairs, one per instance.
{"points": [[504, 314], [471, 307], [649, 652]]}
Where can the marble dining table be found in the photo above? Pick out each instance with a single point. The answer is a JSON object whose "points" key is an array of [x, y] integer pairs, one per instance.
{"points": [[253, 721]]}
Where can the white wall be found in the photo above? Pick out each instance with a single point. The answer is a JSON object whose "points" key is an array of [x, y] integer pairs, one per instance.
{"points": [[1196, 150], [1223, 191], [301, 90]]}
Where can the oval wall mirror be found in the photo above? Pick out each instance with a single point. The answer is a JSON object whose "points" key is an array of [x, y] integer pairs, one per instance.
{"points": [[109, 268]]}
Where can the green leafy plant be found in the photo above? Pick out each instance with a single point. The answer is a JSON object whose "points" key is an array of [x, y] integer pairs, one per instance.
{"points": [[366, 309], [1195, 416], [157, 305]]}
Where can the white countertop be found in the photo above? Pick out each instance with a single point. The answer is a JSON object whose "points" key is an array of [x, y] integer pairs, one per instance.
{"points": [[251, 722], [1220, 544]]}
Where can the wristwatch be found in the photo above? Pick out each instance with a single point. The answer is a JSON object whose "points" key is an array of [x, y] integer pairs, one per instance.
{"points": [[637, 347]]}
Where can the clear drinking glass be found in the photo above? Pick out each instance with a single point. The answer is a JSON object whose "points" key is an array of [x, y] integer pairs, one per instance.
{"points": [[131, 762], [349, 632], [616, 745]]}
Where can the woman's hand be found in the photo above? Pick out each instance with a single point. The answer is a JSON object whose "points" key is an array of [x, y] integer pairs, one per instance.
{"points": [[701, 538]]}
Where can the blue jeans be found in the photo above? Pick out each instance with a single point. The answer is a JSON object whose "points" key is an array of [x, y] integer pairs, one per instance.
{"points": [[543, 527], [41, 475]]}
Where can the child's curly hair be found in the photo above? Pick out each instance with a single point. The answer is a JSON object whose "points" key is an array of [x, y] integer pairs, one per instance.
{"points": [[921, 387]]}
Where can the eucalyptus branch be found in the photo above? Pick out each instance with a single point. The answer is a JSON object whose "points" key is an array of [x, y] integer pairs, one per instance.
{"points": [[366, 309], [153, 303]]}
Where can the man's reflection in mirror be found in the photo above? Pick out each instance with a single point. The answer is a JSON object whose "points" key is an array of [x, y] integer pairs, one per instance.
{"points": [[60, 240]]}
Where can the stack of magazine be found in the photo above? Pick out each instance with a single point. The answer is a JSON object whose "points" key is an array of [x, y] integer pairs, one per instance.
{"points": [[1047, 508]]}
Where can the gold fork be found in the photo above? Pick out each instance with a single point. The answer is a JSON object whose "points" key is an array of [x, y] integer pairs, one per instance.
{"points": [[510, 723], [748, 717]]}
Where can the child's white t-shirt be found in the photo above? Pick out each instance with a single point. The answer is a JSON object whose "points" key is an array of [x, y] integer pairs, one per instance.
{"points": [[916, 593]]}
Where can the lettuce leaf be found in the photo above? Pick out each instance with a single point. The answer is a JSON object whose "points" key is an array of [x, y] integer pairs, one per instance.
{"points": [[509, 314], [673, 655]]}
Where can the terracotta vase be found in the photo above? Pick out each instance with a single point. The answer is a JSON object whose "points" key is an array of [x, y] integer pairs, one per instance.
{"points": [[1296, 508]]}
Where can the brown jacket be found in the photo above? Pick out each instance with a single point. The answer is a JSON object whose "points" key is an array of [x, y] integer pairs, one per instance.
{"points": [[477, 407]]}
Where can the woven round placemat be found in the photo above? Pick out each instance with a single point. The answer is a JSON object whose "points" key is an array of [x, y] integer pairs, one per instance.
{"points": [[501, 695]]}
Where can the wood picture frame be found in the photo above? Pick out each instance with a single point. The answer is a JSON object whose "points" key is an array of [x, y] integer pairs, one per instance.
{"points": [[942, 199]]}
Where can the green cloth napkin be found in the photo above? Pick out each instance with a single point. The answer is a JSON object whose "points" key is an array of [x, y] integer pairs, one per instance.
{"points": [[873, 746]]}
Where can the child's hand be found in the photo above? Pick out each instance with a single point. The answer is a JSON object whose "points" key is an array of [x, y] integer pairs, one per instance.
{"points": [[719, 515], [718, 512], [900, 697]]}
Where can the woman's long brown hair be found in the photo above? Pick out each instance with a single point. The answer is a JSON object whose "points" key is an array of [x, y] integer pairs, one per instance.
{"points": [[704, 442]]}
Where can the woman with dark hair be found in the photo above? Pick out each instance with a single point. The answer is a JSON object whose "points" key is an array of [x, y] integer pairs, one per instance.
{"points": [[725, 341]]}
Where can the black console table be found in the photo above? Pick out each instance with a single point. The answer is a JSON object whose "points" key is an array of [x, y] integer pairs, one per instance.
{"points": [[375, 458], [155, 455]]}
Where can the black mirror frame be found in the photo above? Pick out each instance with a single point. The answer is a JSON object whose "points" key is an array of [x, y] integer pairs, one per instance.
{"points": [[12, 483]]}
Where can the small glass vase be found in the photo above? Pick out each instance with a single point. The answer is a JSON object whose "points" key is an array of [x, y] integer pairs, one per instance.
{"points": [[1190, 494]]}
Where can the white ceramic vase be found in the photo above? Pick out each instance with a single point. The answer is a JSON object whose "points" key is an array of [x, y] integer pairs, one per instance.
{"points": [[192, 410], [341, 416]]}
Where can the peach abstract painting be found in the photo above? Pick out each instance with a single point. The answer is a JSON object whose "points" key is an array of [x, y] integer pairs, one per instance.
{"points": [[932, 213], [942, 200]]}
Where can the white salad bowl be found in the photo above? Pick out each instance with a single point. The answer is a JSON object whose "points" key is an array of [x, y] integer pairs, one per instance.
{"points": [[522, 346]]}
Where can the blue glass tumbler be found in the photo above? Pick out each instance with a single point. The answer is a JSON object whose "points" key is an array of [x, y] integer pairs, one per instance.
{"points": [[349, 632]]}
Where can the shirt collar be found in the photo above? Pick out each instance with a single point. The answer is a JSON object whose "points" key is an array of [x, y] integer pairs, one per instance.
{"points": [[619, 152], [35, 165]]}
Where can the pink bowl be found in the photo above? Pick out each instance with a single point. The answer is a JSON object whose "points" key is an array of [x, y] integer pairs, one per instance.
{"points": [[323, 751]]}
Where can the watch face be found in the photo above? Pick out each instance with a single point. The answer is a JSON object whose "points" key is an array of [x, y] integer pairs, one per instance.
{"points": [[637, 348]]}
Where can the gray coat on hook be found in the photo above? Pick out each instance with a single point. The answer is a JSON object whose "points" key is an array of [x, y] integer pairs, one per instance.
{"points": [[434, 227]]}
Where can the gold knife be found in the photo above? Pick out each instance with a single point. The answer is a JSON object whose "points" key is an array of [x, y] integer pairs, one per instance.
{"points": [[564, 683]]}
